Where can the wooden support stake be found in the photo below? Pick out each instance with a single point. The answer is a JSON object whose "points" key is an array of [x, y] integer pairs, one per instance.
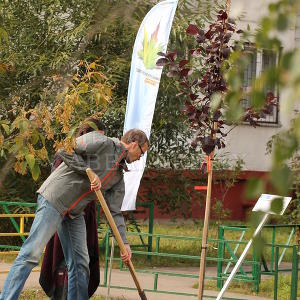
{"points": [[117, 235], [204, 236], [208, 203], [206, 223]]}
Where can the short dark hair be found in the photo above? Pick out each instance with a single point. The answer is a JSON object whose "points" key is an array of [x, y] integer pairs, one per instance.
{"points": [[87, 126], [135, 135]]}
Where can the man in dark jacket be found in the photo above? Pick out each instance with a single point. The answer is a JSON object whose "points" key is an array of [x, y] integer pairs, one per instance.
{"points": [[62, 199]]}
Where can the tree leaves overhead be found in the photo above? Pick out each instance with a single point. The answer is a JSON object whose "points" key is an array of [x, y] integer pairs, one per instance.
{"points": [[48, 81], [61, 61], [200, 78]]}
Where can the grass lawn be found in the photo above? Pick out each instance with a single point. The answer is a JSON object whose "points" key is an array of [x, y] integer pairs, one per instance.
{"points": [[266, 288], [40, 295], [192, 229], [192, 248]]}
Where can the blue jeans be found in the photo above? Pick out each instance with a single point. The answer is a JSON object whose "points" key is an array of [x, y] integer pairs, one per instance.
{"points": [[72, 234]]}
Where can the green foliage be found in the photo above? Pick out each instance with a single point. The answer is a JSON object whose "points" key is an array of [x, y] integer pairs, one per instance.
{"points": [[226, 175], [50, 78], [285, 76], [255, 187], [292, 215], [63, 61], [48, 83], [277, 205], [18, 188], [281, 180]]}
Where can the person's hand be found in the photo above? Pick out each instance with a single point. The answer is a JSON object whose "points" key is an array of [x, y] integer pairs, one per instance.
{"points": [[127, 256], [96, 183]]}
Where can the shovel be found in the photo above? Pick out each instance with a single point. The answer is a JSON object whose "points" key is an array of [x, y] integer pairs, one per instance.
{"points": [[117, 235]]}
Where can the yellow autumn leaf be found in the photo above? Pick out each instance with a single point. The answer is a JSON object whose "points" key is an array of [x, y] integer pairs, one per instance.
{"points": [[35, 172], [30, 160], [93, 65]]}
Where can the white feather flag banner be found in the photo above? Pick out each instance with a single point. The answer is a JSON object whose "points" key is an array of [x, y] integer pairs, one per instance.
{"points": [[152, 37]]}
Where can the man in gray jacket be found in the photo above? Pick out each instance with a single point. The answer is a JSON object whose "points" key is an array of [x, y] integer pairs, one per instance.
{"points": [[61, 202]]}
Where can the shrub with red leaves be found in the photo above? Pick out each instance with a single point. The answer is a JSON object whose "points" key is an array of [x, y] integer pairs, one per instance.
{"points": [[200, 76]]}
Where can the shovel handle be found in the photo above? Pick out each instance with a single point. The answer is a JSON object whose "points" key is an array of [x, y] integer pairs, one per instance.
{"points": [[117, 235]]}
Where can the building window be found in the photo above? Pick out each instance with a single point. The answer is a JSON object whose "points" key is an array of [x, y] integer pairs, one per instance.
{"points": [[260, 60]]}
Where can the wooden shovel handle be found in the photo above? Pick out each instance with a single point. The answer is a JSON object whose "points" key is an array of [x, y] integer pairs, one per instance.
{"points": [[116, 233]]}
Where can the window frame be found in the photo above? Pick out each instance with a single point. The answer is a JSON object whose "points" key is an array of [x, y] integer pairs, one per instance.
{"points": [[248, 47]]}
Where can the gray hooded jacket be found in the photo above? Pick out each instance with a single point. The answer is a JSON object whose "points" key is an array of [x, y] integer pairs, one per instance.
{"points": [[68, 187]]}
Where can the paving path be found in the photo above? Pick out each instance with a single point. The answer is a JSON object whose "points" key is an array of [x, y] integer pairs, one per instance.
{"points": [[121, 278]]}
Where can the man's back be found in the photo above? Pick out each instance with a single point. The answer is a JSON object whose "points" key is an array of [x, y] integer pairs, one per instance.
{"points": [[69, 182]]}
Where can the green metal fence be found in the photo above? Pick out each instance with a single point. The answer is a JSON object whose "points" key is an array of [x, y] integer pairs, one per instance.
{"points": [[261, 266], [226, 255], [157, 239], [147, 245], [7, 207], [252, 274]]}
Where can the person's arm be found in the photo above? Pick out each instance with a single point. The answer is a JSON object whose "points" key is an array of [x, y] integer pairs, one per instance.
{"points": [[126, 257], [114, 198], [84, 154], [73, 161]]}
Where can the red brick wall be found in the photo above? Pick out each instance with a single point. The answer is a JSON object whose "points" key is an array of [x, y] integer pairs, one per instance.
{"points": [[234, 200]]}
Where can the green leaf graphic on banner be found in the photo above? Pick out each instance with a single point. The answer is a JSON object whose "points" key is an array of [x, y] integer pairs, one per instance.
{"points": [[150, 49]]}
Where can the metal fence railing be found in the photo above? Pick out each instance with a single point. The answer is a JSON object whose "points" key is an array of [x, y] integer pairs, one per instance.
{"points": [[252, 275], [269, 264]]}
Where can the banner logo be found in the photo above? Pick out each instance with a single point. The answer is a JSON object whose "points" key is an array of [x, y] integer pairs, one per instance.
{"points": [[150, 48]]}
